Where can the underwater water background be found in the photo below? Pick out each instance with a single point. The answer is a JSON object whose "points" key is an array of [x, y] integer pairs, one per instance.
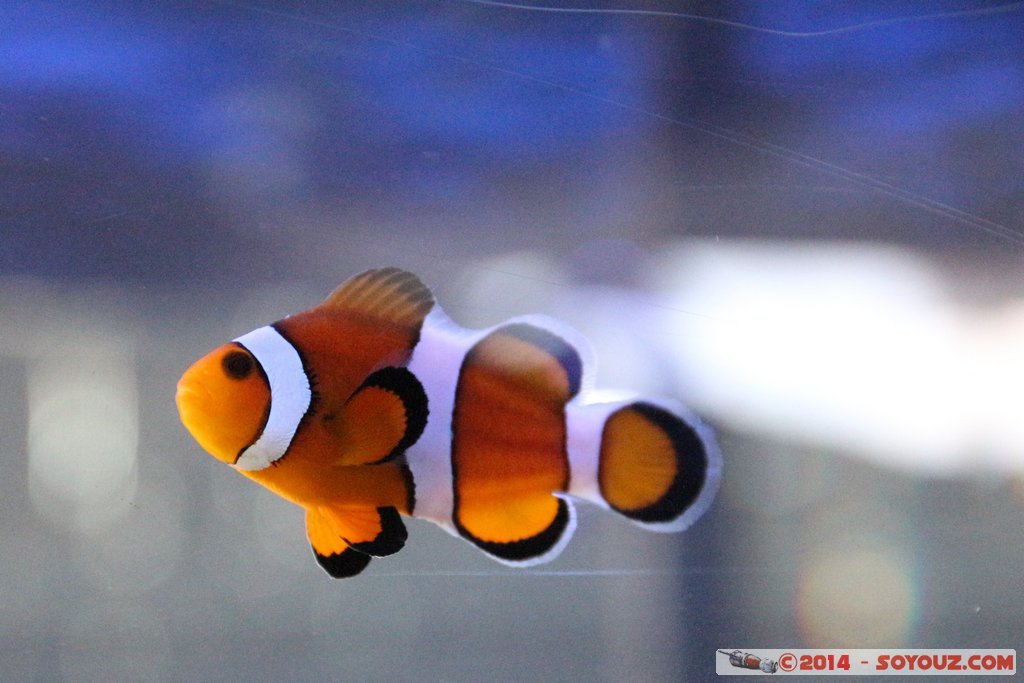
{"points": [[805, 221]]}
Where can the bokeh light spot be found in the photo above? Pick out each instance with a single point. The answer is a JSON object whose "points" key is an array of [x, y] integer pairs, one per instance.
{"points": [[82, 438], [861, 598]]}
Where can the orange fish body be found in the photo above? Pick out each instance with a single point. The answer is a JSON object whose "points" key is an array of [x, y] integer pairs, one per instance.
{"points": [[375, 405]]}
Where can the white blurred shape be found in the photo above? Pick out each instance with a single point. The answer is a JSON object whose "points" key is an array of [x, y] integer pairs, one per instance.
{"points": [[997, 408], [853, 346], [863, 597], [82, 436]]}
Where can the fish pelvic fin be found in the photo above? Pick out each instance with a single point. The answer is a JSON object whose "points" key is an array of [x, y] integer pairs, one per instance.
{"points": [[345, 539]]}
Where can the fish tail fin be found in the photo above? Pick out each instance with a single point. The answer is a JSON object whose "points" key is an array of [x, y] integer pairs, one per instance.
{"points": [[657, 465]]}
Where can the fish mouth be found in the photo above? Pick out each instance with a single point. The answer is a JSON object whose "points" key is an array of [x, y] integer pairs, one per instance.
{"points": [[189, 397], [195, 403], [189, 394]]}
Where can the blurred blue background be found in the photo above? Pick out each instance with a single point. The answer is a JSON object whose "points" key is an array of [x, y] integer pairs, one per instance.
{"points": [[804, 220]]}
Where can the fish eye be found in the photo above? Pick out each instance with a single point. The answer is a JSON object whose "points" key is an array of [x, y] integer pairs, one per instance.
{"points": [[238, 364]]}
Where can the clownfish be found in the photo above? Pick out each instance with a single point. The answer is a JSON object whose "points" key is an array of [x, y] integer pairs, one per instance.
{"points": [[374, 405]]}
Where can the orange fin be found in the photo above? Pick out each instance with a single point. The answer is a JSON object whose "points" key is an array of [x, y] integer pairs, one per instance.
{"points": [[371, 531], [655, 468], [509, 457], [332, 552], [389, 295], [385, 416], [389, 534]]}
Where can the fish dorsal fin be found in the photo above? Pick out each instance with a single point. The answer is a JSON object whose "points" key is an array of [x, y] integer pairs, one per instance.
{"points": [[389, 295]]}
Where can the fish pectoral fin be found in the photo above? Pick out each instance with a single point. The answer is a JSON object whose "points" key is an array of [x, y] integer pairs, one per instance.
{"points": [[385, 416], [388, 295], [338, 531]]}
